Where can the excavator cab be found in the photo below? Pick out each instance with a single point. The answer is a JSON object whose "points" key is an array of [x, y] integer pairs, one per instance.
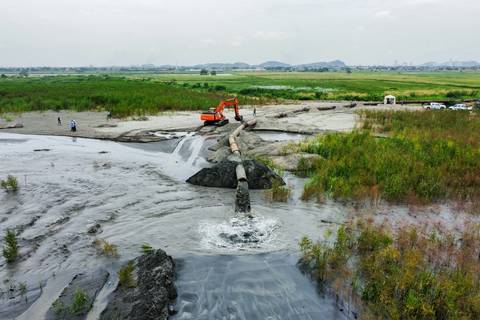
{"points": [[215, 116]]}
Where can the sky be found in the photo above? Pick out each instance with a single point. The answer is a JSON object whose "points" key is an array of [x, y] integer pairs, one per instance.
{"points": [[187, 32]]}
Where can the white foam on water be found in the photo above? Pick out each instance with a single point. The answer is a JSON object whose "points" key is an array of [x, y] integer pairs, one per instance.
{"points": [[240, 233]]}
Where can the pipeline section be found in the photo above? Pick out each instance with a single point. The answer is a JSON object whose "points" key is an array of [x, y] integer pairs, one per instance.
{"points": [[242, 195]]}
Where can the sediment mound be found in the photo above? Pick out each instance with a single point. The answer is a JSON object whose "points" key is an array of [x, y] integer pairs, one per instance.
{"points": [[77, 298], [153, 293], [223, 175]]}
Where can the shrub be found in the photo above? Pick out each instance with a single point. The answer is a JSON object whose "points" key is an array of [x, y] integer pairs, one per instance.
{"points": [[10, 248], [10, 184], [125, 276]]}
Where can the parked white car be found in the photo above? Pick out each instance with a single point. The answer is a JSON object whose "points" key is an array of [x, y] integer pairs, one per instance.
{"points": [[460, 106], [434, 106]]}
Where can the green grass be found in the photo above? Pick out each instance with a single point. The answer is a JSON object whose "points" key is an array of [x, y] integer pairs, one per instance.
{"points": [[122, 97], [426, 156], [408, 274], [79, 304], [362, 86]]}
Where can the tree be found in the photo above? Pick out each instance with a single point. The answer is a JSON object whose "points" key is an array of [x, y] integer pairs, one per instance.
{"points": [[213, 73], [3, 76], [204, 72], [24, 73]]}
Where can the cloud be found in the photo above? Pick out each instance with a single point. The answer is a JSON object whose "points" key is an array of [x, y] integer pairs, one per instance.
{"points": [[236, 41], [208, 41], [383, 14], [271, 35]]}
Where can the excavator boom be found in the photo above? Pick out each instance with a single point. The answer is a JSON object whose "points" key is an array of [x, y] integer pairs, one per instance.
{"points": [[216, 117]]}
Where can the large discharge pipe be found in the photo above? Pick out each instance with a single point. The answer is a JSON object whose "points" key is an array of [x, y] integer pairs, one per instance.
{"points": [[242, 195]]}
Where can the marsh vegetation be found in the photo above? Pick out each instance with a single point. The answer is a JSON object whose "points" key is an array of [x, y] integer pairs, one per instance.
{"points": [[413, 157], [408, 273]]}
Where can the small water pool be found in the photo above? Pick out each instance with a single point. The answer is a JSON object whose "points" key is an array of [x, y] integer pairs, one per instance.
{"points": [[281, 136]]}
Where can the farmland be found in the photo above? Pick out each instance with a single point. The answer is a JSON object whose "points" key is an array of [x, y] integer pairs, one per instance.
{"points": [[361, 86]]}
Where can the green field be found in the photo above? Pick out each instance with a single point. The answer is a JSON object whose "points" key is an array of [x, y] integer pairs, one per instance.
{"points": [[361, 86], [131, 94]]}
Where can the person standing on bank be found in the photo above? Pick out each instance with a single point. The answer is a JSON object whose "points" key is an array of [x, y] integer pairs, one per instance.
{"points": [[59, 121], [73, 126]]}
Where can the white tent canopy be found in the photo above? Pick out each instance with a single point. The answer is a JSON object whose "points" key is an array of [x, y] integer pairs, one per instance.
{"points": [[390, 100]]}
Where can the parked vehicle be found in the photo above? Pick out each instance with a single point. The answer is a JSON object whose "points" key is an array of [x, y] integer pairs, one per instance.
{"points": [[434, 106], [460, 106]]}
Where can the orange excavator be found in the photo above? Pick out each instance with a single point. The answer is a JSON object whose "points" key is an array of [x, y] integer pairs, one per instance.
{"points": [[215, 116]]}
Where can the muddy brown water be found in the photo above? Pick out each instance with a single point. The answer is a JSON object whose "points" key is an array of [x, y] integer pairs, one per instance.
{"points": [[230, 266]]}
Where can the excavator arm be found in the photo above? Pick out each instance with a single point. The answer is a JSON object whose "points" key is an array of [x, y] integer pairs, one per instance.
{"points": [[230, 103]]}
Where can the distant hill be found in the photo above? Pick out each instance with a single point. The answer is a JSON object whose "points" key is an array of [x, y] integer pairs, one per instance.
{"points": [[273, 64], [335, 64], [223, 66]]}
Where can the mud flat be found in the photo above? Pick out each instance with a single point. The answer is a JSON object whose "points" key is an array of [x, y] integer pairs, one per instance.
{"points": [[306, 117]]}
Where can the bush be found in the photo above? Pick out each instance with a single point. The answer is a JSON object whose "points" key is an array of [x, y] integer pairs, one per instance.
{"points": [[10, 248], [11, 184]]}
